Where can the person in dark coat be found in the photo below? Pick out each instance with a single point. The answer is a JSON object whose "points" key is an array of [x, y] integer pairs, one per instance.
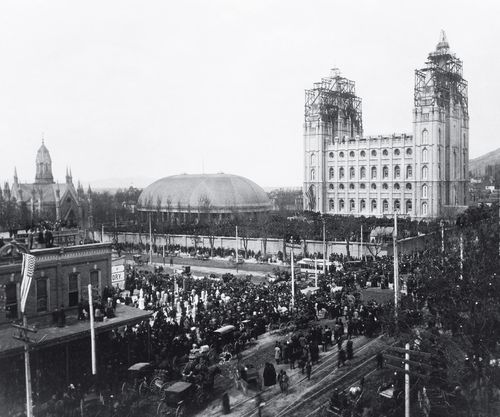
{"points": [[349, 349], [269, 375], [341, 357]]}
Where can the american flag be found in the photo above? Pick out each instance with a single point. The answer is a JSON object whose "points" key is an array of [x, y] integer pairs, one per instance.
{"points": [[28, 269]]}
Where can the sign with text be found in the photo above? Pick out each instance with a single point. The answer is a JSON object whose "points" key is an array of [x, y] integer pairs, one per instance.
{"points": [[118, 276]]}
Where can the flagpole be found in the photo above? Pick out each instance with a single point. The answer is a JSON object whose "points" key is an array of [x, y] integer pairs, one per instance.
{"points": [[27, 371], [92, 331]]}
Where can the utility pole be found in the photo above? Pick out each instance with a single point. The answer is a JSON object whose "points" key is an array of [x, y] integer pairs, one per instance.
{"points": [[316, 271], [92, 331], [24, 337], [236, 250], [362, 251], [150, 242], [324, 248], [461, 254], [293, 281], [396, 267], [407, 380], [441, 223]]}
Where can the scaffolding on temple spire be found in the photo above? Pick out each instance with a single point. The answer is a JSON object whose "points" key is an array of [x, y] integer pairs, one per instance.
{"points": [[334, 100], [441, 82]]}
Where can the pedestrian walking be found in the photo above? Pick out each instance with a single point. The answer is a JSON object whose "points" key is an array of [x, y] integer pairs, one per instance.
{"points": [[277, 353]]}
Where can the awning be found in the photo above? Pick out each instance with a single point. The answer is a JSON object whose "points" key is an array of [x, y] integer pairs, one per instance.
{"points": [[50, 336]]}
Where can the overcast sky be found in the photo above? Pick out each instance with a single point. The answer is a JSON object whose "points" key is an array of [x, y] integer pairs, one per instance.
{"points": [[148, 89]]}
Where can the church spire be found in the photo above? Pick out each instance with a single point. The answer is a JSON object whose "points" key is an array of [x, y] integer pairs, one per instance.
{"points": [[15, 176], [43, 166]]}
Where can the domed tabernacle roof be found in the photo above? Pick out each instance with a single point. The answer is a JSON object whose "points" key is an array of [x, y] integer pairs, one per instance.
{"points": [[216, 193]]}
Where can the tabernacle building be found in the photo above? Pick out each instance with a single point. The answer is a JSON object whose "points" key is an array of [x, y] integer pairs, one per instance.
{"points": [[422, 175]]}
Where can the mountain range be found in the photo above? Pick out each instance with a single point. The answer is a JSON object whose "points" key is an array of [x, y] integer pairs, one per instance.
{"points": [[478, 165]]}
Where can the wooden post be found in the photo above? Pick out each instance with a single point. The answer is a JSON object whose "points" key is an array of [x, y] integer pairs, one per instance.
{"points": [[293, 281]]}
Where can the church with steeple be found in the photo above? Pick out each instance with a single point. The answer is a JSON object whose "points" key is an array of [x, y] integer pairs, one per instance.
{"points": [[47, 200]]}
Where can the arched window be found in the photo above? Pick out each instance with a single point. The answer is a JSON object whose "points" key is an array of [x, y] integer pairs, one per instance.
{"points": [[408, 186], [313, 159], [425, 136], [352, 172], [352, 205], [313, 175], [385, 172], [351, 186], [424, 209], [341, 186], [397, 205], [455, 166], [424, 155], [385, 206], [362, 205], [331, 172], [374, 205], [331, 155], [425, 172], [332, 204], [351, 154], [397, 171], [425, 190], [341, 154], [408, 206], [331, 187], [341, 205], [363, 154], [385, 186], [409, 171], [374, 186], [385, 152], [397, 152], [362, 172], [374, 172], [374, 153], [362, 186], [439, 135], [396, 186], [341, 172], [409, 151]]}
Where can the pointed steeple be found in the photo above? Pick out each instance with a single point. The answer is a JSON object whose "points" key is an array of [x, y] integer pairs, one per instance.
{"points": [[15, 176], [43, 166], [443, 42]]}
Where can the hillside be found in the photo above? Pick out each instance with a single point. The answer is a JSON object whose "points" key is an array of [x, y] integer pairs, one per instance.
{"points": [[479, 164]]}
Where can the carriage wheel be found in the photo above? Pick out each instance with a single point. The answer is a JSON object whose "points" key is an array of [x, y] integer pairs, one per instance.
{"points": [[143, 388], [156, 384], [180, 411], [162, 408], [124, 387]]}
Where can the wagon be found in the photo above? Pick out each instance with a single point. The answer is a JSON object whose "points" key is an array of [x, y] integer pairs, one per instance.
{"points": [[176, 399], [138, 378]]}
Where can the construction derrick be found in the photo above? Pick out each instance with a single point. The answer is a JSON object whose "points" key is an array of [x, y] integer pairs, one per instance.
{"points": [[333, 100]]}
